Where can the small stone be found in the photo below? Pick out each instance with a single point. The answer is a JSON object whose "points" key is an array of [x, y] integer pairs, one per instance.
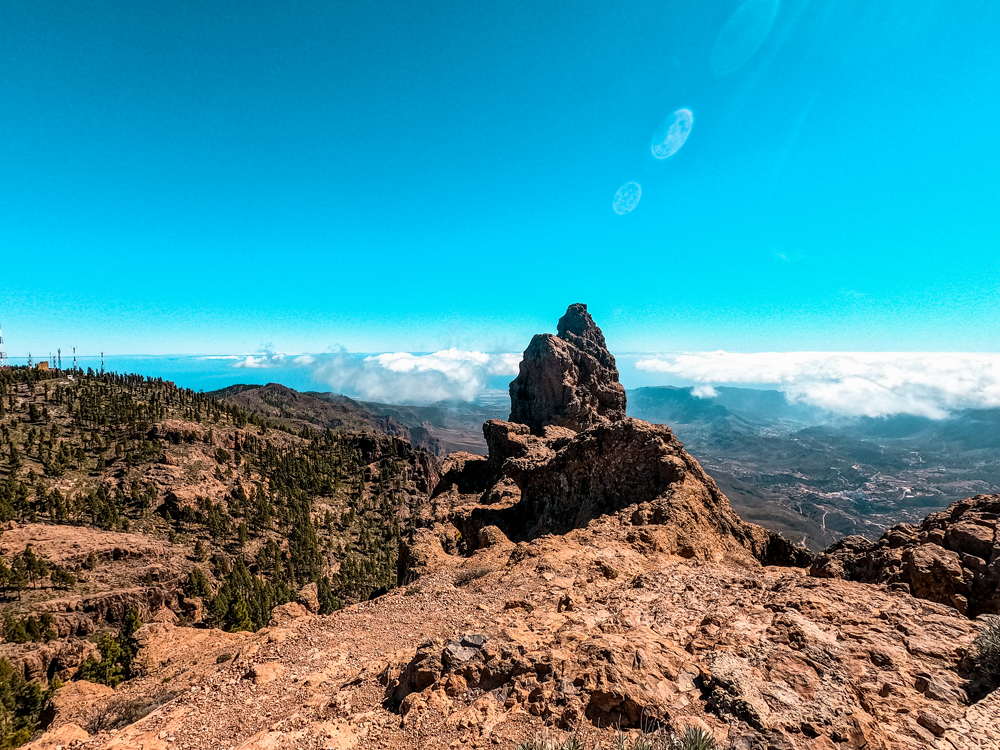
{"points": [[930, 720]]}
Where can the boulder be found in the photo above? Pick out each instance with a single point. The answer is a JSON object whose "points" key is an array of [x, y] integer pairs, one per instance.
{"points": [[309, 597], [68, 735], [285, 613], [74, 703]]}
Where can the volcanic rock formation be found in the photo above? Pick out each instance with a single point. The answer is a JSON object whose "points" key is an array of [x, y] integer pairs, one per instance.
{"points": [[570, 455], [953, 557], [569, 380]]}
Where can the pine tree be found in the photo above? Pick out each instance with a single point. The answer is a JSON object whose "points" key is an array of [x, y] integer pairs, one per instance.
{"points": [[126, 640], [238, 616], [107, 671], [197, 584]]}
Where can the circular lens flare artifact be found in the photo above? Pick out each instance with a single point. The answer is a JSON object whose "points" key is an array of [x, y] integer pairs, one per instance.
{"points": [[671, 134], [627, 198]]}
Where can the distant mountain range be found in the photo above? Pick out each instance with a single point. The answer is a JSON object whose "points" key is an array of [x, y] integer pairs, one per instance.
{"points": [[816, 476], [791, 467]]}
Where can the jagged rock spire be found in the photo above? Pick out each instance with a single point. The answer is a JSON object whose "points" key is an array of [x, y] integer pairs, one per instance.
{"points": [[569, 380]]}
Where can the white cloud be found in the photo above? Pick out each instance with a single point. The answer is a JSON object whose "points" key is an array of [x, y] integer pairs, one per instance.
{"points": [[261, 361], [404, 378], [397, 377], [853, 383], [703, 391], [268, 360]]}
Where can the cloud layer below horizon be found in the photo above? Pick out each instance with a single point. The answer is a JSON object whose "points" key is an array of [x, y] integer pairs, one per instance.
{"points": [[872, 384], [398, 377]]}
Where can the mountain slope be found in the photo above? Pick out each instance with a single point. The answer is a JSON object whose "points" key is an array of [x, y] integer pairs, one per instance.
{"points": [[295, 410]]}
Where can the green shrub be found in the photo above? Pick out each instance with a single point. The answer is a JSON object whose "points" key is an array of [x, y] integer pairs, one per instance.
{"points": [[223, 658], [469, 575], [693, 738], [986, 651]]}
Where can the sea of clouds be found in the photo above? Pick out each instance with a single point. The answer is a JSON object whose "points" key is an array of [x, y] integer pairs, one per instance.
{"points": [[398, 377], [872, 384]]}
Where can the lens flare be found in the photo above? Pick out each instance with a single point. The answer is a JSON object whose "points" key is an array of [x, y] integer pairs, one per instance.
{"points": [[671, 134], [744, 32], [627, 198]]}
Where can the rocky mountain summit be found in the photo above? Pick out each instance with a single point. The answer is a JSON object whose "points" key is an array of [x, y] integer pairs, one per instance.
{"points": [[569, 380], [585, 578], [569, 455]]}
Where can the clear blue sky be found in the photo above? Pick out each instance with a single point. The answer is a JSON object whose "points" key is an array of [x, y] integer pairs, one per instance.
{"points": [[210, 177]]}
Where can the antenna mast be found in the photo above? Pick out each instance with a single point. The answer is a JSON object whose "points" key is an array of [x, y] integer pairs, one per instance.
{"points": [[74, 359], [3, 354]]}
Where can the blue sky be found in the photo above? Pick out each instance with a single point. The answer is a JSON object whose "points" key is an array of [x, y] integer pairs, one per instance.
{"points": [[213, 177]]}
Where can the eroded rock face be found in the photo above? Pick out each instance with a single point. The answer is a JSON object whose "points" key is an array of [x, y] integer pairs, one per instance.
{"points": [[562, 480], [568, 380], [569, 455], [953, 557]]}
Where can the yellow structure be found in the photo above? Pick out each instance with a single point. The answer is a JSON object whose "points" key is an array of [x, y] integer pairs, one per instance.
{"points": [[43, 365]]}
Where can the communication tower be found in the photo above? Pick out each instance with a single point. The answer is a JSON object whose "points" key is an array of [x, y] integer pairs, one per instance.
{"points": [[29, 360], [3, 354], [74, 359], [60, 358], [102, 363]]}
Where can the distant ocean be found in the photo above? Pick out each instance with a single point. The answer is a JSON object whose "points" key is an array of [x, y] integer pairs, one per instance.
{"points": [[197, 372], [201, 372]]}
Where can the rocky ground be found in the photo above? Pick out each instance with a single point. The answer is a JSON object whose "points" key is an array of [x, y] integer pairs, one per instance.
{"points": [[585, 632], [953, 557]]}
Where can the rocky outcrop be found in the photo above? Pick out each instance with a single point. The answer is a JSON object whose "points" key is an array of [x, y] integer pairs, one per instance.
{"points": [[953, 557], [569, 455], [74, 702], [44, 661], [568, 380], [563, 480]]}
